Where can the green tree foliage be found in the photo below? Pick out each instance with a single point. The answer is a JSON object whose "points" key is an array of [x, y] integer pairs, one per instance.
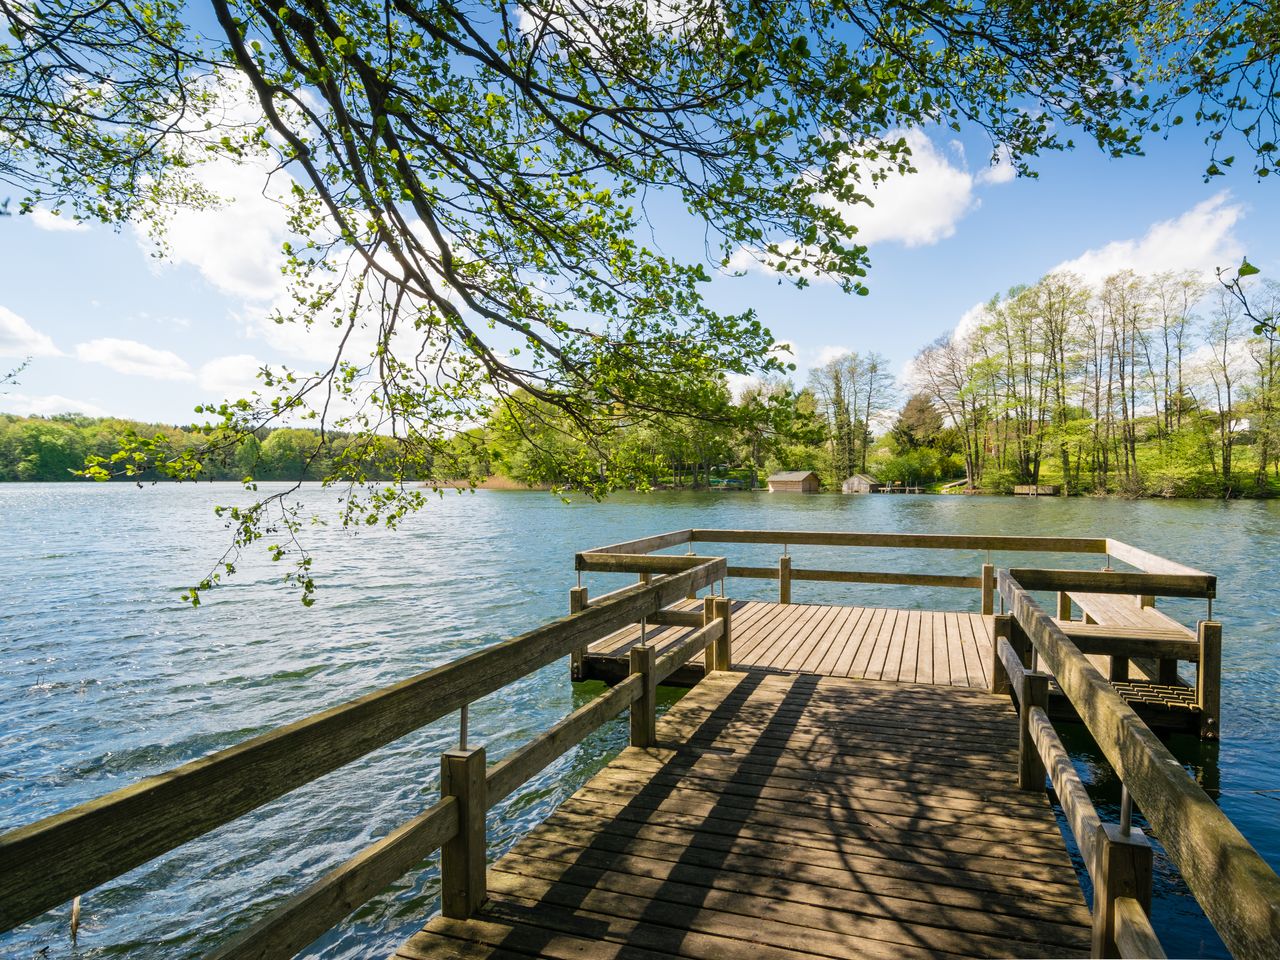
{"points": [[464, 179], [1119, 388]]}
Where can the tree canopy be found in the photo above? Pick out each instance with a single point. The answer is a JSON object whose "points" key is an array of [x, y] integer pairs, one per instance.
{"points": [[466, 181]]}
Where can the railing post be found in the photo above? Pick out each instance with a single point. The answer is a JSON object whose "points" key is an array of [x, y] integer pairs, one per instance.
{"points": [[644, 719], [784, 579], [1124, 870], [1064, 605], [708, 615], [577, 659], [724, 645], [1209, 676], [1001, 628], [988, 589], [1035, 693], [463, 857]]}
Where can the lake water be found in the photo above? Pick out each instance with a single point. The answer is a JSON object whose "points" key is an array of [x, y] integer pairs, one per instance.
{"points": [[106, 677]]}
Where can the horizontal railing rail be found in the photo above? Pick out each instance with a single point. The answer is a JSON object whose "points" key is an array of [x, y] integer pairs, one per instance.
{"points": [[48, 863], [1238, 891]]}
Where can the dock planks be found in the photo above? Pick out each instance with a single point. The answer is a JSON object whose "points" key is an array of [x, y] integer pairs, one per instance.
{"points": [[792, 816], [948, 648]]}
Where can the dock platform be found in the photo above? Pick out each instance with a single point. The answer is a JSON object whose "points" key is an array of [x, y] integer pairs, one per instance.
{"points": [[790, 816], [838, 781]]}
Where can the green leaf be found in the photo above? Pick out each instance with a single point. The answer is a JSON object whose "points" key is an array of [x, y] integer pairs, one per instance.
{"points": [[1247, 269]]}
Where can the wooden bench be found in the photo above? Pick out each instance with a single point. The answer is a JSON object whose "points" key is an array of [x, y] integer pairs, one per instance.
{"points": [[1129, 629]]}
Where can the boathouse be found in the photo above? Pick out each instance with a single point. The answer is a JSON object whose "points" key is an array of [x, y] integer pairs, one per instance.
{"points": [[860, 483], [795, 481]]}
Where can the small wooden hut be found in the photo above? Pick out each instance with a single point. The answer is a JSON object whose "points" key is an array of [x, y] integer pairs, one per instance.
{"points": [[794, 481], [860, 483]]}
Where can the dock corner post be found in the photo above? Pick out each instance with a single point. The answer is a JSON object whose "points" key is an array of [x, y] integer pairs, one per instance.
{"points": [[1035, 693], [1124, 870], [1001, 628], [784, 579], [577, 659], [644, 718], [724, 645], [1209, 677], [463, 857], [988, 589]]}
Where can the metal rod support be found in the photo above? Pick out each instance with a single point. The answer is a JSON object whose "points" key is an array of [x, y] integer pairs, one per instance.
{"points": [[1126, 812], [462, 727]]}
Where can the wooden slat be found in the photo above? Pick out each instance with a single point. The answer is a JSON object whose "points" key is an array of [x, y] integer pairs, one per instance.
{"points": [[1148, 562], [912, 541], [49, 862], [1134, 934], [903, 579], [1099, 581], [1129, 641], [696, 642], [1076, 805], [660, 541], [634, 563]]}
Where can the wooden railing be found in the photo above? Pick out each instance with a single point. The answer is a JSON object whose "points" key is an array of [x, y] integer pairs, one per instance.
{"points": [[50, 862], [1238, 891], [634, 556]]}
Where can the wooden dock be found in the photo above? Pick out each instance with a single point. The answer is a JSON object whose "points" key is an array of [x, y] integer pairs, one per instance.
{"points": [[791, 817], [840, 781]]}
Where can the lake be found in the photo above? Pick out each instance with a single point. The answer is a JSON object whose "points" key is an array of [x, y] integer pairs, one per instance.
{"points": [[107, 677]]}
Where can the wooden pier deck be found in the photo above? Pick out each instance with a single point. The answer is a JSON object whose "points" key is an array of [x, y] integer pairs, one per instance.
{"points": [[838, 782], [784, 816]]}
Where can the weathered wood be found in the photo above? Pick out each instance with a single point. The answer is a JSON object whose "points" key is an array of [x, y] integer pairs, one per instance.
{"points": [[988, 589], [463, 856], [723, 610], [1035, 694], [911, 541], [1133, 934], [307, 915], [1148, 562], [1064, 605], [578, 601], [1000, 632], [695, 643], [1123, 641], [512, 771], [676, 618], [784, 579], [1124, 871], [1233, 884], [644, 709], [1074, 798], [1011, 662], [659, 541], [634, 563], [1104, 581], [1209, 677], [48, 862], [858, 576]]}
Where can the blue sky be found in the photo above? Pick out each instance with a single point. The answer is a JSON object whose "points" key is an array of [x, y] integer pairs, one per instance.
{"points": [[113, 328]]}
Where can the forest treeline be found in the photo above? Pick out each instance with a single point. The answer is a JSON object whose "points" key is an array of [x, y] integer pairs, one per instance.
{"points": [[1139, 386]]}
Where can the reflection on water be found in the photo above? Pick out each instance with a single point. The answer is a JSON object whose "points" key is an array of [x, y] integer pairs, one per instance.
{"points": [[107, 677]]}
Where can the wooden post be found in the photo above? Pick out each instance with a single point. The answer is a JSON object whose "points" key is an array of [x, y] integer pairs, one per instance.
{"points": [[1119, 668], [462, 859], [1209, 677], [1064, 605], [724, 646], [709, 614], [1146, 601], [577, 659], [1035, 693], [988, 589], [644, 719], [1001, 628], [1124, 870], [784, 579]]}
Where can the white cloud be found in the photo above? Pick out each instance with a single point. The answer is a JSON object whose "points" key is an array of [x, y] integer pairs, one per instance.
{"points": [[48, 220], [47, 405], [1200, 239], [916, 209], [19, 339], [134, 358], [234, 376], [826, 354]]}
